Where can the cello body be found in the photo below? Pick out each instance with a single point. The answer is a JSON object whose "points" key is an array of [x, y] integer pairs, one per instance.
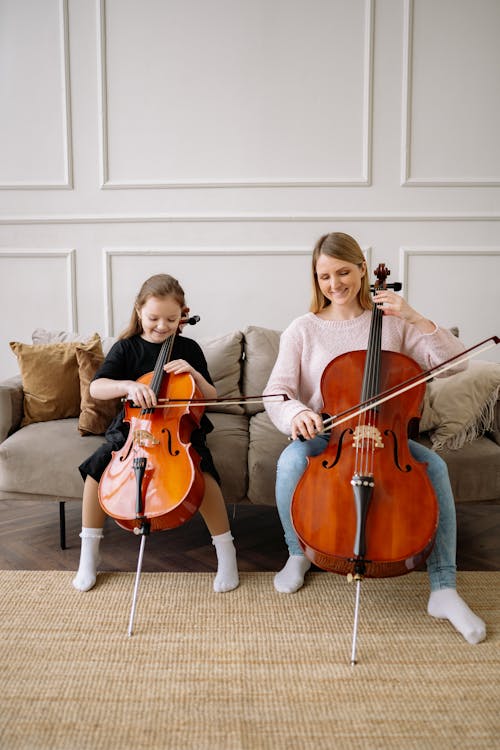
{"points": [[169, 488]]}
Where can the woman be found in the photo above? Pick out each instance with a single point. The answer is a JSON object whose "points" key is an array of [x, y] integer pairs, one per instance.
{"points": [[339, 322], [156, 316]]}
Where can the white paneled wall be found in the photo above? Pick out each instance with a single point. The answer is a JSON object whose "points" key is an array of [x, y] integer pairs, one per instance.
{"points": [[218, 139]]}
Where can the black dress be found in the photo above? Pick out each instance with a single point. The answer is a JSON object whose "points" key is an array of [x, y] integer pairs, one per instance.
{"points": [[129, 359]]}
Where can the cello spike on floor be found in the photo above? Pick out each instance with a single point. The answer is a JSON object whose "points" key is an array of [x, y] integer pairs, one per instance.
{"points": [[136, 587], [358, 578]]}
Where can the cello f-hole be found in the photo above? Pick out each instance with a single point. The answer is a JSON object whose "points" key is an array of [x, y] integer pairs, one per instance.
{"points": [[325, 464], [169, 443], [395, 452]]}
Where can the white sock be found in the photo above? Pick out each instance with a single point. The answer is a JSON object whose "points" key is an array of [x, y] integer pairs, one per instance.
{"points": [[446, 604], [89, 559], [227, 577], [291, 578]]}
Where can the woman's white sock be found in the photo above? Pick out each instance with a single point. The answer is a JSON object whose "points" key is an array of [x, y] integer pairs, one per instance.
{"points": [[446, 604], [227, 570], [89, 559], [291, 578]]}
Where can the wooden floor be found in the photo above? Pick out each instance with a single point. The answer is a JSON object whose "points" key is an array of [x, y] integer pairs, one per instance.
{"points": [[29, 540]]}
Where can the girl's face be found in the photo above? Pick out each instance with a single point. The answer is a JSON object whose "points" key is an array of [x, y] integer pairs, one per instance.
{"points": [[159, 318], [340, 281]]}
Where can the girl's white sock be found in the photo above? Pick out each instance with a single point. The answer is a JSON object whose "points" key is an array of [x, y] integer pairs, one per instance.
{"points": [[446, 604], [227, 570], [291, 578], [89, 559]]}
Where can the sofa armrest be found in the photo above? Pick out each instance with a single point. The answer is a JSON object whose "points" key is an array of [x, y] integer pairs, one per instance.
{"points": [[11, 406]]}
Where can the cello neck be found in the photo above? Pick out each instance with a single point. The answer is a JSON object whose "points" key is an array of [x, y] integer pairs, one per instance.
{"points": [[163, 358], [371, 375]]}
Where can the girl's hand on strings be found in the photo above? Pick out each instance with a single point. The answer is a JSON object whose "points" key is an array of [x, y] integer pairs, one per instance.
{"points": [[307, 424], [177, 366]]}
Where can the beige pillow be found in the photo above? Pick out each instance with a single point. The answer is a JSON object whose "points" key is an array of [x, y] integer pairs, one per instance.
{"points": [[95, 414], [261, 349], [459, 408], [44, 336], [223, 355], [51, 384]]}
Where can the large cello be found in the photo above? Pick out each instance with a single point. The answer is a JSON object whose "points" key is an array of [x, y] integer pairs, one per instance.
{"points": [[364, 506]]}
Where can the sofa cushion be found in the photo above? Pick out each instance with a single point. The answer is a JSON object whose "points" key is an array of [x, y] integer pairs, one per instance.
{"points": [[266, 445], [474, 469], [95, 414], [50, 379], [228, 444], [43, 459], [260, 348], [461, 407]]}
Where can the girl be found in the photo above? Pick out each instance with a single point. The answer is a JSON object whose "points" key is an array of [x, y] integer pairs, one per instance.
{"points": [[156, 315], [339, 322]]}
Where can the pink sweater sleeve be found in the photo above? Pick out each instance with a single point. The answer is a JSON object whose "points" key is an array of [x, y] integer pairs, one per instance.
{"points": [[284, 379]]}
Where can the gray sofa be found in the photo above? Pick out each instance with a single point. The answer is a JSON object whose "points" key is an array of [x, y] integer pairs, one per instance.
{"points": [[40, 460]]}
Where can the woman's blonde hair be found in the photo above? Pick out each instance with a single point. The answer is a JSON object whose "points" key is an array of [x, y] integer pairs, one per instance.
{"points": [[159, 285], [343, 247]]}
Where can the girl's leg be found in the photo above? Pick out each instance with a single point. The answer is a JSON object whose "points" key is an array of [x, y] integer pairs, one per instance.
{"points": [[91, 535], [291, 465], [444, 601], [214, 512]]}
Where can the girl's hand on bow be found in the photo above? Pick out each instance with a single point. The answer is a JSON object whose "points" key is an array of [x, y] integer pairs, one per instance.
{"points": [[141, 395], [307, 424]]}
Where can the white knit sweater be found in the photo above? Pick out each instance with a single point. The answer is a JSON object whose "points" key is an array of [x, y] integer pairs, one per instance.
{"points": [[310, 343]]}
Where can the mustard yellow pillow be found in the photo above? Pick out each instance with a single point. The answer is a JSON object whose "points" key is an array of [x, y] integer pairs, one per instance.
{"points": [[95, 414], [51, 384]]}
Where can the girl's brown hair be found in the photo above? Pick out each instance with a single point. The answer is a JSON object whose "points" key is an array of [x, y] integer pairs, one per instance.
{"points": [[159, 285], [343, 247]]}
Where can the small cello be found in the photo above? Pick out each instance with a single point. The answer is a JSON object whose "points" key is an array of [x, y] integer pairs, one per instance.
{"points": [[154, 482], [155, 478], [365, 506]]}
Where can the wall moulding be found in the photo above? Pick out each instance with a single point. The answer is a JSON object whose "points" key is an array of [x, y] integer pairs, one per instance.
{"points": [[364, 179], [69, 258], [406, 119], [456, 286], [215, 268], [65, 89], [407, 253], [232, 274], [128, 218]]}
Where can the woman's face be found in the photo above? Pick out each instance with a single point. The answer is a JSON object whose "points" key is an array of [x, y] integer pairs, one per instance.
{"points": [[159, 318], [339, 280]]}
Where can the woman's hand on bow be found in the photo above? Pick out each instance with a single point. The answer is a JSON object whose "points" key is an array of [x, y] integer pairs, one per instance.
{"points": [[307, 424]]}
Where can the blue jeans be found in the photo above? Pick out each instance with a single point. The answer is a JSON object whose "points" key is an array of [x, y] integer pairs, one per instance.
{"points": [[441, 563]]}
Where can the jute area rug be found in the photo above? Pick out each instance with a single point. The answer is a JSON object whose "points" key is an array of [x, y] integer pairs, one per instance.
{"points": [[246, 670]]}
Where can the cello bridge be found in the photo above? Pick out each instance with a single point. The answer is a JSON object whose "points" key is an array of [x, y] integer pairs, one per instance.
{"points": [[367, 432], [144, 439]]}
